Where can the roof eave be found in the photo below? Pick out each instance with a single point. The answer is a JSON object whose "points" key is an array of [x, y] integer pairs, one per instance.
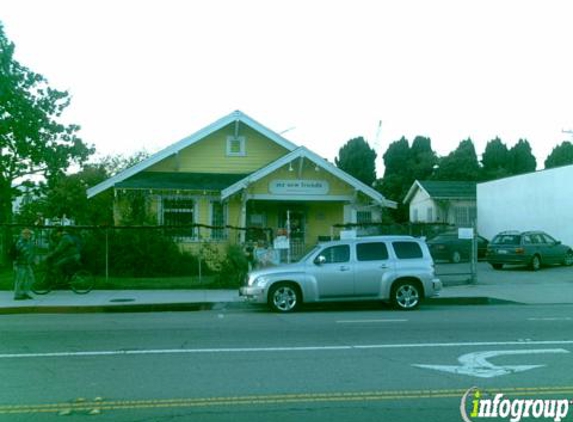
{"points": [[188, 141]]}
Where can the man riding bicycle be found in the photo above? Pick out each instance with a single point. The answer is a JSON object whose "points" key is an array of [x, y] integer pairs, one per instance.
{"points": [[65, 258]]}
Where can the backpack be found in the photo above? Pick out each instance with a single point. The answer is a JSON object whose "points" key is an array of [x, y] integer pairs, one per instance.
{"points": [[78, 243], [13, 252]]}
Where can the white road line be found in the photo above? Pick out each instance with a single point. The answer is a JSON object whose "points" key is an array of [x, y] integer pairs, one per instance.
{"points": [[550, 319], [280, 349], [369, 321]]}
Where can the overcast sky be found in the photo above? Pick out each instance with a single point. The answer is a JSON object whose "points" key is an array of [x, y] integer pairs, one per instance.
{"points": [[144, 74]]}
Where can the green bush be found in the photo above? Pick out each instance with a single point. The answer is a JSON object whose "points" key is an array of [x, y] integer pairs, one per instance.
{"points": [[233, 268], [137, 253]]}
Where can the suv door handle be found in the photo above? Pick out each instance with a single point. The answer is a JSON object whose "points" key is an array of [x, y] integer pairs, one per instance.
{"points": [[344, 268], [384, 266]]}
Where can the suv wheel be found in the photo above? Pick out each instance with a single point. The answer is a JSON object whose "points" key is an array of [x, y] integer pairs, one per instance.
{"points": [[284, 297], [405, 295], [568, 261], [535, 263]]}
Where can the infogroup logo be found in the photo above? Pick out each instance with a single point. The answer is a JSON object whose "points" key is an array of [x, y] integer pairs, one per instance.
{"points": [[476, 405]]}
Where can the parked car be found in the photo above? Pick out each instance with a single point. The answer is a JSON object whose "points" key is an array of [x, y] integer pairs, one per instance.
{"points": [[398, 269], [448, 246], [531, 248]]}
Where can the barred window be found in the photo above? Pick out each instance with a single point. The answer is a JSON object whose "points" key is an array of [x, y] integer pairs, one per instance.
{"points": [[179, 212], [218, 218], [364, 217]]}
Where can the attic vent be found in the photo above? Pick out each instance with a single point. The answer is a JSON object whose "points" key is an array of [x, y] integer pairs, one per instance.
{"points": [[236, 146]]}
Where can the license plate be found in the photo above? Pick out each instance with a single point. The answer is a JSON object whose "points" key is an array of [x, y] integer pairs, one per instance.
{"points": [[502, 251]]}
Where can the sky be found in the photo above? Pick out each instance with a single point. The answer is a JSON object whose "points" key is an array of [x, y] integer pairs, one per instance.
{"points": [[144, 74]]}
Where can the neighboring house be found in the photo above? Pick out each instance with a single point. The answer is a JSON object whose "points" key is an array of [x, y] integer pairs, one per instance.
{"points": [[237, 172], [433, 201], [541, 200]]}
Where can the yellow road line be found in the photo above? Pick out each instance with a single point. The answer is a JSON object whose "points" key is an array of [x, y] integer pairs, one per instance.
{"points": [[272, 399]]}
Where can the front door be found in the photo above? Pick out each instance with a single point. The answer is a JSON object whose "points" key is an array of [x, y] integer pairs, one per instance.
{"points": [[294, 219]]}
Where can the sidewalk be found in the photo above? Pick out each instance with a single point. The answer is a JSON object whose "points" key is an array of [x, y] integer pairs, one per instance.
{"points": [[541, 291]]}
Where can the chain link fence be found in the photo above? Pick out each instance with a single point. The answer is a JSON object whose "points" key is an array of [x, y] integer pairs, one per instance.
{"points": [[196, 256]]}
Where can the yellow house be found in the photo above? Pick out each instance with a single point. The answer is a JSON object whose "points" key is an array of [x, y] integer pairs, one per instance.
{"points": [[236, 172]]}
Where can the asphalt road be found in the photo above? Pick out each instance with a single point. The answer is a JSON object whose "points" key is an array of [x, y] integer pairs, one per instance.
{"points": [[335, 364]]}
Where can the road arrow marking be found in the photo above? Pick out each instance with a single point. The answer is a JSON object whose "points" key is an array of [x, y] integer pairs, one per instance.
{"points": [[476, 364]]}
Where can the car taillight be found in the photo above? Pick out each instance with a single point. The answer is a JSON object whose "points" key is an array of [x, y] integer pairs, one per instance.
{"points": [[519, 251]]}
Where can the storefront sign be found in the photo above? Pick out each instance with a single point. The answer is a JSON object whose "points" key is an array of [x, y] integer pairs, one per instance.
{"points": [[299, 187], [465, 233]]}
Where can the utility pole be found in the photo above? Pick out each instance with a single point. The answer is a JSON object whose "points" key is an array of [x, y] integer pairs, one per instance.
{"points": [[377, 146], [568, 132]]}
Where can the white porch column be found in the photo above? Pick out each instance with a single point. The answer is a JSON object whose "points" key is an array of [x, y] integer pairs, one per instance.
{"points": [[243, 216]]}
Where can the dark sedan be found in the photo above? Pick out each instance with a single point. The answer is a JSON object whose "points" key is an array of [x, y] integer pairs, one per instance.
{"points": [[448, 246], [531, 248]]}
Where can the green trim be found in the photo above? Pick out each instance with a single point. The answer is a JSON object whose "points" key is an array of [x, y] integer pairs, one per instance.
{"points": [[188, 181]]}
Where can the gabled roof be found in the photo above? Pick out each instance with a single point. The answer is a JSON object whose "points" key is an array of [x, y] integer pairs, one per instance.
{"points": [[437, 189], [318, 161], [236, 116]]}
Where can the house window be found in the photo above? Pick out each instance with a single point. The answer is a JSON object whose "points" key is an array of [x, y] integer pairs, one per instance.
{"points": [[236, 146], [179, 212], [218, 218], [464, 216], [415, 215], [363, 217], [430, 215]]}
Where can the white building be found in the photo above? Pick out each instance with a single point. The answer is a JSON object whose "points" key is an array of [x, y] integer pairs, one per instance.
{"points": [[542, 200], [432, 201]]}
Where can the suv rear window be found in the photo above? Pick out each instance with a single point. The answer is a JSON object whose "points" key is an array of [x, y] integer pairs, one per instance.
{"points": [[407, 250], [372, 251]]}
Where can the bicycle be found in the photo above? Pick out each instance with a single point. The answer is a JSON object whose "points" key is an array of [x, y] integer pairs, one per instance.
{"points": [[81, 281]]}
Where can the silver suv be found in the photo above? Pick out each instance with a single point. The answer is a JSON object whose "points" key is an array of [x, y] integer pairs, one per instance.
{"points": [[398, 269]]}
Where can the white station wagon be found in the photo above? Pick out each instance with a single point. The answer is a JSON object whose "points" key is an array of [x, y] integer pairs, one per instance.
{"points": [[395, 269]]}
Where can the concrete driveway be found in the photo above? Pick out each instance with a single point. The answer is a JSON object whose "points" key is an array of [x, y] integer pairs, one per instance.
{"points": [[454, 274]]}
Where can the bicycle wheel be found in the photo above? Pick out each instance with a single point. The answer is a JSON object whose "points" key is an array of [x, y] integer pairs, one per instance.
{"points": [[82, 282], [42, 284]]}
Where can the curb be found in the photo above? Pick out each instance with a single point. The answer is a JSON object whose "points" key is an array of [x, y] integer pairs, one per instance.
{"points": [[469, 300], [207, 306], [160, 307]]}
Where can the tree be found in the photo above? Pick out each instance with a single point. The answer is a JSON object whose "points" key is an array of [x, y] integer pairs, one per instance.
{"points": [[560, 156], [396, 157], [495, 160], [461, 164], [422, 159], [521, 157], [358, 159], [403, 165], [34, 144], [66, 194]]}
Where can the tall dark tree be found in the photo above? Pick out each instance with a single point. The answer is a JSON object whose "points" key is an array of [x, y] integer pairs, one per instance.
{"points": [[396, 156], [560, 156], [358, 159], [461, 164], [522, 159], [422, 159], [495, 160], [403, 165], [33, 142]]}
